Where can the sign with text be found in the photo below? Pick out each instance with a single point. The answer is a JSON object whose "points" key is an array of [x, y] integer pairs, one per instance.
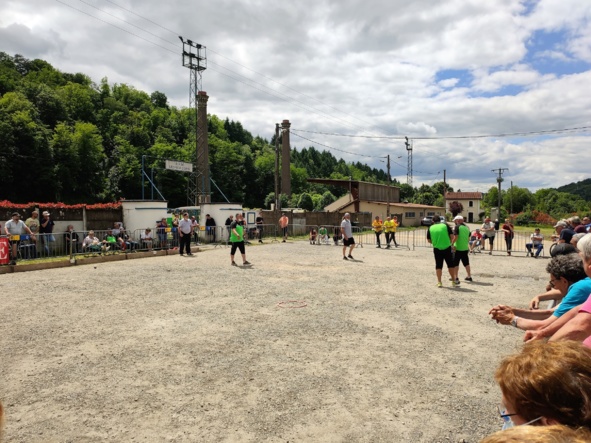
{"points": [[178, 166]]}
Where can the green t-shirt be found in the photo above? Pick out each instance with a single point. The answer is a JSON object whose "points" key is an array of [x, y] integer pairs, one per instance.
{"points": [[239, 229], [439, 233], [463, 237], [111, 239]]}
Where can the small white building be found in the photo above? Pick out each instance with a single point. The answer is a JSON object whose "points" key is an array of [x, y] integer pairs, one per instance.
{"points": [[471, 202]]}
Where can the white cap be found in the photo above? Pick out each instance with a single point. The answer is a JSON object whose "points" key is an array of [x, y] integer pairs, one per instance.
{"points": [[45, 213], [458, 217]]}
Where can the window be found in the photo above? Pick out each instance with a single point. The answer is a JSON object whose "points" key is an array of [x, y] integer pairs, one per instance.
{"points": [[409, 215], [430, 213], [471, 203]]}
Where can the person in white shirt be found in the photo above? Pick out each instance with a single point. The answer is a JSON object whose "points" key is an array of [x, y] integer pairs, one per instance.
{"points": [[185, 231], [14, 228]]}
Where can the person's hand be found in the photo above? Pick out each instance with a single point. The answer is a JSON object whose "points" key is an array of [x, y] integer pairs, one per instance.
{"points": [[535, 302], [533, 335], [502, 314]]}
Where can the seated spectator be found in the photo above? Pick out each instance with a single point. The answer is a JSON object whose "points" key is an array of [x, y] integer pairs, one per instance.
{"points": [[562, 249], [71, 240], [576, 238], [540, 434], [146, 238], [568, 276], [536, 241], [475, 240], [313, 236], [577, 226], [337, 235], [323, 234], [546, 384], [563, 232], [586, 222], [91, 243], [126, 241], [111, 242], [576, 324]]}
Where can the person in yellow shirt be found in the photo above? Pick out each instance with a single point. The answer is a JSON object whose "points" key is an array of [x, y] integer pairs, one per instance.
{"points": [[393, 230], [378, 227], [387, 231]]}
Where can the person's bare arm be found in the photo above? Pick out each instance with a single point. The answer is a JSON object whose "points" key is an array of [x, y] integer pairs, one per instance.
{"points": [[578, 329], [552, 328], [552, 294], [505, 315]]}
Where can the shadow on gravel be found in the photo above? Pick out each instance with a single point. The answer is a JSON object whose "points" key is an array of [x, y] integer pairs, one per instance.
{"points": [[461, 289], [478, 283]]}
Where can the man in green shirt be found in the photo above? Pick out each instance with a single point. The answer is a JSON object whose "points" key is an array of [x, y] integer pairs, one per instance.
{"points": [[461, 247], [441, 237]]}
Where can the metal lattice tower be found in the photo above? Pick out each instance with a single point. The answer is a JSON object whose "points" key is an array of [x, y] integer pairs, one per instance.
{"points": [[195, 58], [409, 162]]}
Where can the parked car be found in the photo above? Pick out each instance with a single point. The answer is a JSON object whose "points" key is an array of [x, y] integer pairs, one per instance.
{"points": [[427, 221]]}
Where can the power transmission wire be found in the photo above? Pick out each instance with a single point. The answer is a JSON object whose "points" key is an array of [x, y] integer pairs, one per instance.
{"points": [[321, 113], [443, 137]]}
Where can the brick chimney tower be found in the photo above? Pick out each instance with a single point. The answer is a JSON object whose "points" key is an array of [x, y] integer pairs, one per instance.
{"points": [[285, 159]]}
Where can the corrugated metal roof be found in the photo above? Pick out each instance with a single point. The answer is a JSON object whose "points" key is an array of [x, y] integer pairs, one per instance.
{"points": [[463, 196]]}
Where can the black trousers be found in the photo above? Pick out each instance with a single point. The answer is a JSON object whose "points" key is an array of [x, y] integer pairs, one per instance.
{"points": [[185, 242]]}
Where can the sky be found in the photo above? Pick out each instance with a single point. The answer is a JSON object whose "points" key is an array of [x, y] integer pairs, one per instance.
{"points": [[476, 86]]}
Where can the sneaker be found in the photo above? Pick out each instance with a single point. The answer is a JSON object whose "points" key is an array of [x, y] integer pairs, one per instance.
{"points": [[454, 284], [351, 257], [532, 254], [283, 241], [190, 253], [246, 263], [344, 258], [388, 247], [490, 253], [468, 279], [378, 246], [457, 281], [234, 263], [182, 254], [439, 285]]}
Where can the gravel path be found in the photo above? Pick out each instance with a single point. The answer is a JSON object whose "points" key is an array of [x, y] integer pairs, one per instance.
{"points": [[188, 349]]}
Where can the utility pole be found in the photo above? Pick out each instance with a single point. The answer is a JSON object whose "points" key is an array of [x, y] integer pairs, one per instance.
{"points": [[511, 197], [277, 198], [500, 171], [388, 190], [445, 189]]}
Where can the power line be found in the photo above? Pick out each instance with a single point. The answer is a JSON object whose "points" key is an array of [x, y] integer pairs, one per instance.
{"points": [[502, 135], [319, 112]]}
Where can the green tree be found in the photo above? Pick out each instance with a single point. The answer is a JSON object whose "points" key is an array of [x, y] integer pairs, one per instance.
{"points": [[517, 198], [306, 202]]}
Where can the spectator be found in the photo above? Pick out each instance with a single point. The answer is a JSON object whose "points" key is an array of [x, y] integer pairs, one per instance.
{"points": [[461, 248], [229, 221], [576, 325], [576, 238], [323, 234], [387, 231], [46, 231], [185, 229], [210, 227], [536, 241], [14, 228], [377, 227], [563, 232], [71, 240], [195, 228], [509, 231], [562, 249], [475, 239], [540, 434], [283, 224], [111, 241], [91, 243], [162, 233], [259, 225], [441, 237], [578, 227], [237, 240], [547, 384], [33, 223], [393, 228], [488, 232], [312, 236], [568, 276], [348, 239], [146, 238], [175, 229], [586, 223]]}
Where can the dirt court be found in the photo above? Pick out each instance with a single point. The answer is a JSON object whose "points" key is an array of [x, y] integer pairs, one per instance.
{"points": [[301, 347]]}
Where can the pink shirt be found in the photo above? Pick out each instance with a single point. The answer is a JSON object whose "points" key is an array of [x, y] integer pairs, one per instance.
{"points": [[586, 307]]}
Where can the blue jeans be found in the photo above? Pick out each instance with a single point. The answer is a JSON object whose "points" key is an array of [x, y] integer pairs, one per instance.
{"points": [[539, 248]]}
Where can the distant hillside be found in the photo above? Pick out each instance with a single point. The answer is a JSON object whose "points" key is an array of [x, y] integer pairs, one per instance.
{"points": [[582, 189]]}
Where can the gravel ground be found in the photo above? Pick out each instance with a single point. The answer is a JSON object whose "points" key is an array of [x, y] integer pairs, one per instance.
{"points": [[300, 347]]}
